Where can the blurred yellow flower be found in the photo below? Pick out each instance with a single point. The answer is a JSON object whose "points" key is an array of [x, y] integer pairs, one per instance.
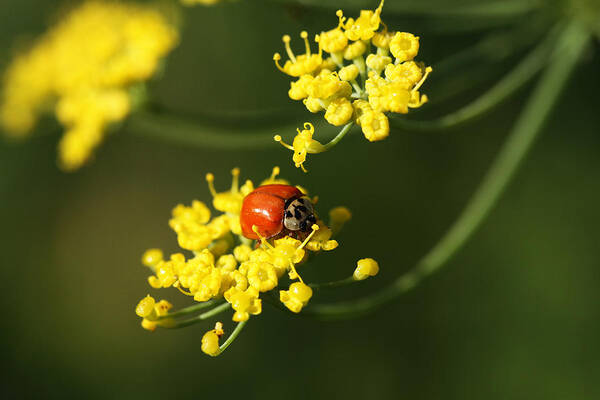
{"points": [[201, 2], [85, 69]]}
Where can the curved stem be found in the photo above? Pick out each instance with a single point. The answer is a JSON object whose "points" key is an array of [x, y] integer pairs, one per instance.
{"points": [[569, 48], [201, 317], [190, 309], [196, 133], [339, 136], [326, 285], [232, 337], [506, 87]]}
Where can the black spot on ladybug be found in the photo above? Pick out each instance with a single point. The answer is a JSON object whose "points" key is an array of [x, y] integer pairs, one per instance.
{"points": [[288, 214], [297, 213], [302, 208]]}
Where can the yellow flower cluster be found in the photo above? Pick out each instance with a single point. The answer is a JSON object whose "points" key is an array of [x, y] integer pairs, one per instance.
{"points": [[368, 72], [85, 68], [226, 265]]}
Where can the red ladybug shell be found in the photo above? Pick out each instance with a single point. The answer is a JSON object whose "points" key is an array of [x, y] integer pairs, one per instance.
{"points": [[265, 208]]}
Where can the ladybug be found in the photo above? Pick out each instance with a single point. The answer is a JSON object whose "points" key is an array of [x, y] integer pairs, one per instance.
{"points": [[277, 211]]}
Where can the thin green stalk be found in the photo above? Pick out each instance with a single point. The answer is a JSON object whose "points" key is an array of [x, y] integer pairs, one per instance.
{"points": [[569, 48], [506, 87], [191, 309], [201, 317], [232, 337], [339, 136], [327, 285]]}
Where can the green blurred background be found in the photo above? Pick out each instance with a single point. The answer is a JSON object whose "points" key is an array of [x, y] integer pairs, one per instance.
{"points": [[515, 314]]}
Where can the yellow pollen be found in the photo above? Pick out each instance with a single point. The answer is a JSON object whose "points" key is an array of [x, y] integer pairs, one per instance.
{"points": [[340, 15], [183, 291], [304, 35], [210, 178], [262, 239], [275, 171], [235, 181], [286, 40], [314, 228], [420, 83], [278, 139]]}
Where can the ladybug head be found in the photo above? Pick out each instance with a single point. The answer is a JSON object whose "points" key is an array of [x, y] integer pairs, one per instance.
{"points": [[299, 215]]}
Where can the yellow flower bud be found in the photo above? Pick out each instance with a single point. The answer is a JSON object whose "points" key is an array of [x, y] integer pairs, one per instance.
{"points": [[355, 50], [348, 73], [333, 41], [298, 89], [210, 343], [152, 257], [339, 112], [313, 104], [365, 267], [378, 62], [375, 126], [145, 307], [382, 39], [242, 252], [296, 297]]}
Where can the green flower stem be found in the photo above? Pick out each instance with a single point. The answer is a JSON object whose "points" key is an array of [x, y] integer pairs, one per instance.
{"points": [[326, 285], [506, 87], [338, 137], [232, 337], [202, 134], [191, 309], [568, 50], [201, 317]]}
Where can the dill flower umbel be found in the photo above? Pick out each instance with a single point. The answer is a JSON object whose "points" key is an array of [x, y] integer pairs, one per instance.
{"points": [[225, 269], [359, 72], [86, 69]]}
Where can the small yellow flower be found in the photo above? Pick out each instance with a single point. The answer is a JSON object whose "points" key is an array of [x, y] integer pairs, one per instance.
{"points": [[375, 126], [355, 50], [299, 65], [404, 46], [339, 112], [229, 201], [149, 311], [298, 89], [322, 239], [348, 73], [378, 62], [296, 297], [244, 303], [210, 340], [364, 27], [145, 307], [242, 252], [261, 276], [303, 145], [365, 268]]}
